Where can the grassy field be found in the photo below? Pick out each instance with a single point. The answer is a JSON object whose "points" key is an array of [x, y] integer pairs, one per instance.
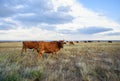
{"points": [[96, 61]]}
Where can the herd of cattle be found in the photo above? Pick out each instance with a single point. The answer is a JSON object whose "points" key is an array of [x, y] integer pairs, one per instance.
{"points": [[47, 47]]}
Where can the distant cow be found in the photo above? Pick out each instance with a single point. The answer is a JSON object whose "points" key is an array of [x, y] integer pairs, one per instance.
{"points": [[98, 41], [109, 41], [85, 41], [90, 41], [71, 43], [30, 45], [50, 47], [77, 41]]}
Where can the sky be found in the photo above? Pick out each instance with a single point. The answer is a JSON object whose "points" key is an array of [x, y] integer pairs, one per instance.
{"points": [[59, 20]]}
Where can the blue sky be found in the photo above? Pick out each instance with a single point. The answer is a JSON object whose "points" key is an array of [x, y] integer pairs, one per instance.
{"points": [[110, 8], [59, 19]]}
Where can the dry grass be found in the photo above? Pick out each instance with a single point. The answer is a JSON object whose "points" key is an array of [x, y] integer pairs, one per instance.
{"points": [[79, 62]]}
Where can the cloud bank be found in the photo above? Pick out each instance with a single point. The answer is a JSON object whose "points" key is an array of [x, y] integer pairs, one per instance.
{"points": [[53, 20]]}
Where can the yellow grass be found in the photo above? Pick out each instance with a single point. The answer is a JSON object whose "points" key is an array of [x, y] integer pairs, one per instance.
{"points": [[96, 61]]}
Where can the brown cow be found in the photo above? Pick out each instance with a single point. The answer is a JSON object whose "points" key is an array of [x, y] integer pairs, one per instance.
{"points": [[71, 43], [30, 45], [85, 41], [50, 47]]}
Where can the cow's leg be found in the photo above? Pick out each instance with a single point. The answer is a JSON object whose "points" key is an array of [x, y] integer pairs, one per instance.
{"points": [[33, 50], [56, 55], [40, 54], [36, 49], [52, 54], [23, 49]]}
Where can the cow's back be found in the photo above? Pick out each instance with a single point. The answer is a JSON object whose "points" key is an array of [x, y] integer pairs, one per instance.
{"points": [[31, 44]]}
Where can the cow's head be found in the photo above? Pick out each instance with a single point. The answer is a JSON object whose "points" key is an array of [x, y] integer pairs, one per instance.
{"points": [[60, 44]]}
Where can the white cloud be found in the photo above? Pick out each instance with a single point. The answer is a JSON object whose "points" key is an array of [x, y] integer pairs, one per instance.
{"points": [[19, 7], [87, 18], [29, 34]]}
